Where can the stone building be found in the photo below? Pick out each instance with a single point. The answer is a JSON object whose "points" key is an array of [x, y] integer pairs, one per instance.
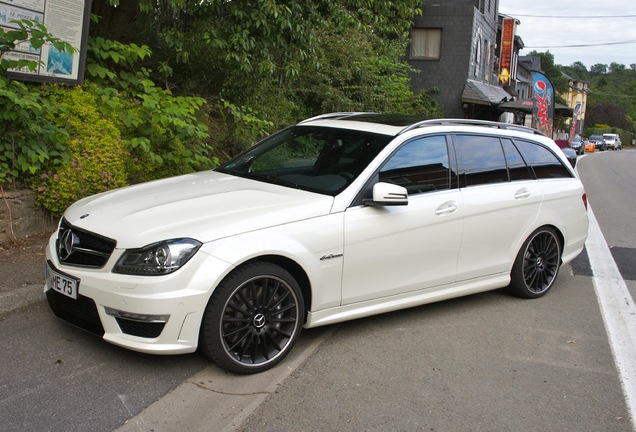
{"points": [[454, 48]]}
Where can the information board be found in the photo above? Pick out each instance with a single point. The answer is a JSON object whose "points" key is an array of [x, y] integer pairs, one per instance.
{"points": [[67, 20]]}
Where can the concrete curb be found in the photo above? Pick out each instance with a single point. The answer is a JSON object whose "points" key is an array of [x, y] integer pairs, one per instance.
{"points": [[217, 400]]}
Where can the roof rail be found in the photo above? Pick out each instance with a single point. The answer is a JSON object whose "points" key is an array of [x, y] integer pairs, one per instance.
{"points": [[334, 116], [470, 122]]}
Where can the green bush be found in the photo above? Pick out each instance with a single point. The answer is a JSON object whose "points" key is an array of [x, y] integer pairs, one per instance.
{"points": [[118, 128], [97, 153], [28, 141], [166, 134]]}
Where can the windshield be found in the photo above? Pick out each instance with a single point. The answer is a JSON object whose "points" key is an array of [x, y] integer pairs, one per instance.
{"points": [[317, 159]]}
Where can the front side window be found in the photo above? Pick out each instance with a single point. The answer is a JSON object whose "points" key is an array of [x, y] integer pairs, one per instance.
{"points": [[544, 163], [482, 159], [421, 165], [426, 43]]}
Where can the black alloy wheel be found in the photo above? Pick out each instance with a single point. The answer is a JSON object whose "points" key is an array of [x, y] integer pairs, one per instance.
{"points": [[537, 264], [253, 319]]}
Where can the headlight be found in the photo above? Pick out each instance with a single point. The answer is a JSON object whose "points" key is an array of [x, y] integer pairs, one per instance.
{"points": [[158, 258]]}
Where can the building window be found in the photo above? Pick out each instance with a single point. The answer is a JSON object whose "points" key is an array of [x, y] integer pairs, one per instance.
{"points": [[426, 44]]}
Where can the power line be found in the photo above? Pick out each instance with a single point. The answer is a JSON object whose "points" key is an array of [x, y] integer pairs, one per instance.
{"points": [[582, 45], [571, 17]]}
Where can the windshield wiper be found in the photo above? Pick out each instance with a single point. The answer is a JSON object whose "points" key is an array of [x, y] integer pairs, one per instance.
{"points": [[281, 182]]}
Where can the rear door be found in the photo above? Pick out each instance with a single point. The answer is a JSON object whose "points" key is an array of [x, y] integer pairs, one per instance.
{"points": [[502, 200]]}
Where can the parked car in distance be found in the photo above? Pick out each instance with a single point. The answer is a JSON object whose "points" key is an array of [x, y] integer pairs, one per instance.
{"points": [[589, 146], [577, 145], [612, 141], [338, 217], [597, 140]]}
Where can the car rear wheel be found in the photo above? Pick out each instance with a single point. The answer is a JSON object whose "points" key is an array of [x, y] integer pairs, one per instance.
{"points": [[537, 265], [252, 319]]}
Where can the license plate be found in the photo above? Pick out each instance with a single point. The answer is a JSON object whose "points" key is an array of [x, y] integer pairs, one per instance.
{"points": [[61, 282]]}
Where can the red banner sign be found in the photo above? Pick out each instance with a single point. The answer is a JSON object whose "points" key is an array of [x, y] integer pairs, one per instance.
{"points": [[507, 46]]}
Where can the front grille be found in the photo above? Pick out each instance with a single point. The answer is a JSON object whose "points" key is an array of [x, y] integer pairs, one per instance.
{"points": [[141, 329], [80, 248], [81, 312]]}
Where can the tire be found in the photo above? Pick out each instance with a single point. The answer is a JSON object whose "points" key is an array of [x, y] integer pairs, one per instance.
{"points": [[253, 319], [537, 265]]}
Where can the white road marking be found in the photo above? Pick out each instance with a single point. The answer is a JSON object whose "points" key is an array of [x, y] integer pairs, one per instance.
{"points": [[618, 311]]}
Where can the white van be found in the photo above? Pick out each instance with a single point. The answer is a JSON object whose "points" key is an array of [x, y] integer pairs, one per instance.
{"points": [[612, 141]]}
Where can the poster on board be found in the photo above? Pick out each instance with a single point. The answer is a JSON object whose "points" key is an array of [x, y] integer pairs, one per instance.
{"points": [[67, 20]]}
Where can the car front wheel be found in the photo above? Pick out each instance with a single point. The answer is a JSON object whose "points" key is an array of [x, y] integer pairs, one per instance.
{"points": [[537, 265], [252, 319]]}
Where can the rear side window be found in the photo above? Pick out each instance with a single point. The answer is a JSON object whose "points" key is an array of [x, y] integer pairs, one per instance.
{"points": [[544, 163], [516, 165], [482, 159], [421, 165]]}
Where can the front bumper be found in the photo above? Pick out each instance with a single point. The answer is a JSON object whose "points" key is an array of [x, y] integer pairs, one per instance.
{"points": [[151, 314]]}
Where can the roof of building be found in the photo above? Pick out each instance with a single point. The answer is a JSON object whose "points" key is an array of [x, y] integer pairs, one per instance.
{"points": [[481, 93]]}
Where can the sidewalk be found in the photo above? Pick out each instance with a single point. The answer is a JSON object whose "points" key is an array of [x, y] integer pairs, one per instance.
{"points": [[21, 272]]}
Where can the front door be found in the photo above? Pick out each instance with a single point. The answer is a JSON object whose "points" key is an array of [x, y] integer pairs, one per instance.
{"points": [[396, 249]]}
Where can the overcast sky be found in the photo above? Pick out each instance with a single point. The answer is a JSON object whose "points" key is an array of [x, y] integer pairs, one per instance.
{"points": [[589, 31]]}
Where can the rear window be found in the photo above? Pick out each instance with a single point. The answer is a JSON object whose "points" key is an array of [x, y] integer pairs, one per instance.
{"points": [[544, 163], [516, 165]]}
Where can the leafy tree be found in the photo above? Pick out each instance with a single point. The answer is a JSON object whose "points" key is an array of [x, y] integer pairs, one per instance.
{"points": [[559, 81], [616, 68], [577, 70], [598, 69], [608, 114], [261, 55]]}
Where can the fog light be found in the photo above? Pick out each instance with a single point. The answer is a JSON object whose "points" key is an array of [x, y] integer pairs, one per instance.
{"points": [[137, 317]]}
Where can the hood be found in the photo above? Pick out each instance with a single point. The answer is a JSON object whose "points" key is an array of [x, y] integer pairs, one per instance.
{"points": [[205, 206]]}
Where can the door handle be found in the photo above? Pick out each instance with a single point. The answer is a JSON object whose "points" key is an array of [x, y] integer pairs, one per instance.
{"points": [[522, 194], [446, 208]]}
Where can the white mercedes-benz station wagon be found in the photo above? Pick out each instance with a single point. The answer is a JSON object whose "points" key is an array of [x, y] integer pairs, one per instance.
{"points": [[341, 216]]}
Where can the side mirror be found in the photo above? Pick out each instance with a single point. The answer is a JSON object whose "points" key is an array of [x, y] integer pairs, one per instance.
{"points": [[387, 194]]}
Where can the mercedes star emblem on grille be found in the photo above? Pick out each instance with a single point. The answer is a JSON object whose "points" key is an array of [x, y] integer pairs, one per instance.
{"points": [[66, 244]]}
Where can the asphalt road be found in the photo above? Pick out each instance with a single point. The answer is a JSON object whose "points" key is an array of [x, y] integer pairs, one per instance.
{"points": [[55, 377], [486, 362]]}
